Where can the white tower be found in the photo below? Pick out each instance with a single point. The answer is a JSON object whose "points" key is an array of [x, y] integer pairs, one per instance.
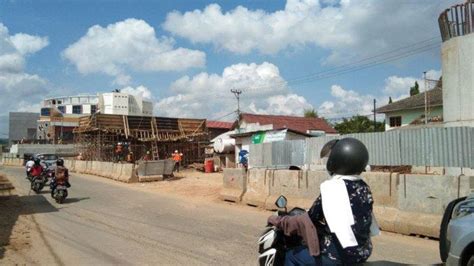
{"points": [[457, 53]]}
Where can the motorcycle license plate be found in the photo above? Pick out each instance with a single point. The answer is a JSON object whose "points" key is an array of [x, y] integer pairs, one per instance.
{"points": [[60, 187]]}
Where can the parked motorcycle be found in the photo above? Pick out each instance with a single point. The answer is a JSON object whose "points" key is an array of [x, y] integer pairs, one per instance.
{"points": [[273, 244]]}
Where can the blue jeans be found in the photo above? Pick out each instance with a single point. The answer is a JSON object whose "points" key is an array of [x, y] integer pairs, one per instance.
{"points": [[300, 256]]}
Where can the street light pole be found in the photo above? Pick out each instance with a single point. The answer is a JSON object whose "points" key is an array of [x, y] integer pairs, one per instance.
{"points": [[375, 121], [426, 99]]}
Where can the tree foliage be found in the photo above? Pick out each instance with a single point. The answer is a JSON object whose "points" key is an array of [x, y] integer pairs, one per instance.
{"points": [[415, 89], [358, 124], [310, 113]]}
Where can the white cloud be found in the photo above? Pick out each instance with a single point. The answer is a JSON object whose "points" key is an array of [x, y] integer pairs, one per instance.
{"points": [[28, 44], [347, 103], [129, 45], [208, 95], [142, 91], [344, 27], [22, 91]]}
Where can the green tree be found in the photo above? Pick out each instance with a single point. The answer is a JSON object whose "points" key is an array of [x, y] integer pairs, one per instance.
{"points": [[310, 113], [390, 100], [415, 89], [358, 124]]}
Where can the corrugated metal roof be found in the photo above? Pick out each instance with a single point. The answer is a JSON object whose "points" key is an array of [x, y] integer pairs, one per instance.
{"points": [[297, 123], [435, 98], [219, 124]]}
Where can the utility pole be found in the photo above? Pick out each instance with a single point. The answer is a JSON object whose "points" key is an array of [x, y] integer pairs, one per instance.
{"points": [[375, 121], [426, 99], [237, 96]]}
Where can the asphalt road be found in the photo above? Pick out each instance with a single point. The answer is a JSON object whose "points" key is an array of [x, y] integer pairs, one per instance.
{"points": [[105, 222]]}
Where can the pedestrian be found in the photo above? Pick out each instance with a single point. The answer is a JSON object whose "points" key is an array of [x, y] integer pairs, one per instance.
{"points": [[80, 157], [177, 158]]}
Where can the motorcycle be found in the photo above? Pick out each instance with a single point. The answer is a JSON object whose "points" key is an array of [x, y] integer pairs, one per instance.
{"points": [[273, 244], [28, 174], [38, 182], [59, 193]]}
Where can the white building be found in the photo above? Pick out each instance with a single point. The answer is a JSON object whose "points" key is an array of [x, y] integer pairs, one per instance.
{"points": [[74, 106], [60, 115], [116, 103]]}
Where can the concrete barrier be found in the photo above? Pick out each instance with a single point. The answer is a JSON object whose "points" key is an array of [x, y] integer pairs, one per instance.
{"points": [[301, 188], [69, 164], [107, 169], [234, 184], [257, 187], [128, 174], [12, 161], [384, 187], [116, 171], [403, 203], [80, 166]]}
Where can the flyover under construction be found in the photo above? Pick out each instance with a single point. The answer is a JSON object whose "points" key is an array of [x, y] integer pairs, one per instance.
{"points": [[98, 134]]}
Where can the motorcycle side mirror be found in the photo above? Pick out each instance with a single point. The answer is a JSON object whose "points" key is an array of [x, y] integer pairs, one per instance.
{"points": [[281, 202]]}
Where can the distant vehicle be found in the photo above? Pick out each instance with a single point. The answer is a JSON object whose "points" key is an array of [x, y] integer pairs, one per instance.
{"points": [[456, 239], [49, 160]]}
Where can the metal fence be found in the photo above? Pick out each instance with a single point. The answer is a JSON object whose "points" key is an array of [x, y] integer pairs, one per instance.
{"points": [[444, 147], [457, 20]]}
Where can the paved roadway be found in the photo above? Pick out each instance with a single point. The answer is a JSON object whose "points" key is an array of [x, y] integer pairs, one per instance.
{"points": [[105, 222]]}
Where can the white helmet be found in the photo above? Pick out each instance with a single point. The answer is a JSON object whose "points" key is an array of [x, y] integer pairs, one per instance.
{"points": [[176, 151]]}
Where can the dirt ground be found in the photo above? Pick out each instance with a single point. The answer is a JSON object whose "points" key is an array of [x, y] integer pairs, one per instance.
{"points": [[189, 183]]}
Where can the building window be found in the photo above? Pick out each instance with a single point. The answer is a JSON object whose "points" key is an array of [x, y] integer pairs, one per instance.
{"points": [[395, 121], [62, 109], [45, 112], [93, 109], [77, 109]]}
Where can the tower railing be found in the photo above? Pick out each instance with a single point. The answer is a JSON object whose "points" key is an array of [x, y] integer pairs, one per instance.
{"points": [[457, 20]]}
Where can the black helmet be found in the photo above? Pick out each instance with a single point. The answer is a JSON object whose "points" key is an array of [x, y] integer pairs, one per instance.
{"points": [[37, 161], [59, 162], [347, 156]]}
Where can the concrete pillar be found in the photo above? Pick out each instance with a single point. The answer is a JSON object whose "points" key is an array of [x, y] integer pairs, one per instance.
{"points": [[458, 80]]}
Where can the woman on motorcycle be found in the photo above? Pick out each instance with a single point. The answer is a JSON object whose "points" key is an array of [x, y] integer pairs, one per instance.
{"points": [[342, 214], [36, 170]]}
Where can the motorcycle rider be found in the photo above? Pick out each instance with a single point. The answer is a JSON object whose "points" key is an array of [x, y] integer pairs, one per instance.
{"points": [[61, 175], [36, 169], [342, 214], [29, 164]]}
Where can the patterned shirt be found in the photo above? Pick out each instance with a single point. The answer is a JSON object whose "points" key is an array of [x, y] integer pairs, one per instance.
{"points": [[361, 204]]}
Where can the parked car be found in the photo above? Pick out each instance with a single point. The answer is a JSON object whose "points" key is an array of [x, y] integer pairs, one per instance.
{"points": [[48, 160], [456, 240]]}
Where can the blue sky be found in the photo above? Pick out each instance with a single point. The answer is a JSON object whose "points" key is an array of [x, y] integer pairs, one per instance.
{"points": [[187, 55]]}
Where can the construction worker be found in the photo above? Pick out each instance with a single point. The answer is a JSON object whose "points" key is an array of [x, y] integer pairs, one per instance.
{"points": [[177, 158], [147, 156], [118, 152], [130, 158]]}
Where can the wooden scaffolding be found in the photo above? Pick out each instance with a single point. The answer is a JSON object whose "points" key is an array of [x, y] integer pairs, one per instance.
{"points": [[98, 134]]}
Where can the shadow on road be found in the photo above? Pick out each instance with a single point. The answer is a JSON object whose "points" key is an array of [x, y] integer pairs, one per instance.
{"points": [[73, 200], [11, 207]]}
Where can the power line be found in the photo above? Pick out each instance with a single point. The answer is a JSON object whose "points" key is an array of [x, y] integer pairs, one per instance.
{"points": [[346, 70], [226, 115]]}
